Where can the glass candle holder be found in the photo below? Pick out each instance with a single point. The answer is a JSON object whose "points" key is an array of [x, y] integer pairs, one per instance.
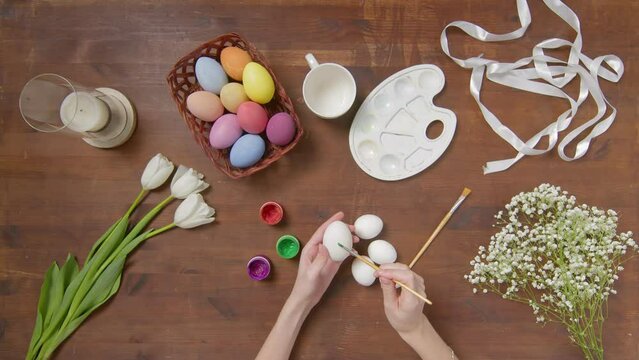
{"points": [[103, 117]]}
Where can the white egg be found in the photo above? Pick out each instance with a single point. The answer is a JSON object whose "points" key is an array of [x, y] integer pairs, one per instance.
{"points": [[368, 226], [337, 232], [362, 273], [382, 252]]}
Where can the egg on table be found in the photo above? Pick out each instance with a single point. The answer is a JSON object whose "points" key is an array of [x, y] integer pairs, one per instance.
{"points": [[225, 132], [247, 151], [337, 232], [204, 105], [210, 74], [252, 117], [232, 96], [258, 83], [234, 60], [362, 273], [368, 226], [280, 129], [382, 252]]}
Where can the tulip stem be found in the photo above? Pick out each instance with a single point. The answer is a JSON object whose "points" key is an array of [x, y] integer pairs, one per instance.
{"points": [[162, 229], [137, 201]]}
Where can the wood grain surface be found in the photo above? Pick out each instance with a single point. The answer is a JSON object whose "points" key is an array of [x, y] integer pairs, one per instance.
{"points": [[185, 295]]}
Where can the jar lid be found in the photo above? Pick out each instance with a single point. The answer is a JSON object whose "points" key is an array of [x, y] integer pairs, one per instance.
{"points": [[271, 212], [258, 268], [287, 246]]}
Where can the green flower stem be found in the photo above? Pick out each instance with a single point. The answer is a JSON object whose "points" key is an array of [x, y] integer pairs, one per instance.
{"points": [[162, 229], [147, 218], [137, 201]]}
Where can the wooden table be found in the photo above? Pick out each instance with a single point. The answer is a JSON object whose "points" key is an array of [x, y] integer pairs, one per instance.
{"points": [[186, 295]]}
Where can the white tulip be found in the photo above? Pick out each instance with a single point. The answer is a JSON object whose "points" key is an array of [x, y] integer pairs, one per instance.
{"points": [[187, 181], [193, 212], [157, 170]]}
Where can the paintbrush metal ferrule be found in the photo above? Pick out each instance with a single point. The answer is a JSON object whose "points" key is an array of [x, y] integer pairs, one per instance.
{"points": [[459, 201]]}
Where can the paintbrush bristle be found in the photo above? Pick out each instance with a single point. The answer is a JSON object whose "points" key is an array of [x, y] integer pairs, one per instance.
{"points": [[466, 192]]}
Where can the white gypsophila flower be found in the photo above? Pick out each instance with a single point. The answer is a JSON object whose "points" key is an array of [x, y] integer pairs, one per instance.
{"points": [[157, 170], [193, 212], [555, 255], [187, 181]]}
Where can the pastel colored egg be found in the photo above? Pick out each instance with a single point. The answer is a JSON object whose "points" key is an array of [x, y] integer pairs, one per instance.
{"points": [[210, 74], [252, 117], [204, 105], [232, 95], [280, 129], [234, 60], [258, 83], [247, 151], [225, 132]]}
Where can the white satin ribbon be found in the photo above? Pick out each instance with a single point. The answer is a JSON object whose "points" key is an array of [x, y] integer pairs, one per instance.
{"points": [[554, 73]]}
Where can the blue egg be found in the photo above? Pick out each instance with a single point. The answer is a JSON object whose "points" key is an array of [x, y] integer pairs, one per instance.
{"points": [[210, 74], [247, 151]]}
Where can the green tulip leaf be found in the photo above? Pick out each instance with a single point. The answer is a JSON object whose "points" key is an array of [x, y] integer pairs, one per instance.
{"points": [[42, 309], [95, 263], [101, 288], [109, 243], [62, 312], [98, 243], [69, 270], [50, 346], [56, 291]]}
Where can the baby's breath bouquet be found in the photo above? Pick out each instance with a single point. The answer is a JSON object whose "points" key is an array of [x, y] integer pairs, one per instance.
{"points": [[558, 257]]}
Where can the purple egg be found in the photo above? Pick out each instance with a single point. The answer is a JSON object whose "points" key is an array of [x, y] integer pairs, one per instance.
{"points": [[225, 132], [280, 130]]}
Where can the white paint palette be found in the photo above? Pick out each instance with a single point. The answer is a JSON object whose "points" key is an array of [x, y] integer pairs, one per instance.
{"points": [[388, 137]]}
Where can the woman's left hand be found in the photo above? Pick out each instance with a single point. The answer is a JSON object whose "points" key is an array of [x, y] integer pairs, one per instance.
{"points": [[316, 269]]}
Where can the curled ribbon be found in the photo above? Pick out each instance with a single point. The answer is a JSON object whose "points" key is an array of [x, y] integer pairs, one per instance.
{"points": [[555, 74]]}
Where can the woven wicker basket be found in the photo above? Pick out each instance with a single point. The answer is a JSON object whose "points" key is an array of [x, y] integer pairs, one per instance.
{"points": [[182, 82]]}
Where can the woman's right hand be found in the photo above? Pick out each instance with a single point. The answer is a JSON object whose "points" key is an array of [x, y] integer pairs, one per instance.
{"points": [[405, 312], [403, 309]]}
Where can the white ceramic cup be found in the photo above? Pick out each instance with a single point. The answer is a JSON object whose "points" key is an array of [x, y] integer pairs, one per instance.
{"points": [[329, 89]]}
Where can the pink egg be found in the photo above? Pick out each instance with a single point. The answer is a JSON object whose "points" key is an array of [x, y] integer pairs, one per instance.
{"points": [[280, 129], [252, 117], [225, 131]]}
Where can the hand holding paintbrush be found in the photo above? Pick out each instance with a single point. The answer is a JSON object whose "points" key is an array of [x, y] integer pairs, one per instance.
{"points": [[372, 265]]}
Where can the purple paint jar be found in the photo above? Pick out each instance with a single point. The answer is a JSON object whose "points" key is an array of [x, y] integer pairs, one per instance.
{"points": [[258, 268]]}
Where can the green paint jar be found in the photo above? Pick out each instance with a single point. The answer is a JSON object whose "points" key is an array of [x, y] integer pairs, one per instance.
{"points": [[287, 246]]}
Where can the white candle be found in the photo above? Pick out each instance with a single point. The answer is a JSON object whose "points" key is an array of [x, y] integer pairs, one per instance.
{"points": [[82, 112]]}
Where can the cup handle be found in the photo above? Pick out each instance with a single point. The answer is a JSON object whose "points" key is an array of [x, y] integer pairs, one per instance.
{"points": [[312, 62]]}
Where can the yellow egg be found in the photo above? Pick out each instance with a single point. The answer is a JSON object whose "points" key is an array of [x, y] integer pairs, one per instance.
{"points": [[258, 83], [234, 60], [232, 95]]}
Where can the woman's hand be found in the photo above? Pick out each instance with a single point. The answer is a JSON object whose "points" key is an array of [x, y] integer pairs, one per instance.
{"points": [[316, 269], [403, 310]]}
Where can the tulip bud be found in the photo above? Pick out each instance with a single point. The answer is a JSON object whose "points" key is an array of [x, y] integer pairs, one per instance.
{"points": [[157, 170], [187, 181], [193, 212]]}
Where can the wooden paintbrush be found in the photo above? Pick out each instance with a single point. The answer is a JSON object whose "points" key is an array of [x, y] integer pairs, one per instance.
{"points": [[461, 199], [371, 264]]}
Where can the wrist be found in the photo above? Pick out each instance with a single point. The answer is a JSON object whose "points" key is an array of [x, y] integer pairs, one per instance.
{"points": [[299, 304], [416, 334]]}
